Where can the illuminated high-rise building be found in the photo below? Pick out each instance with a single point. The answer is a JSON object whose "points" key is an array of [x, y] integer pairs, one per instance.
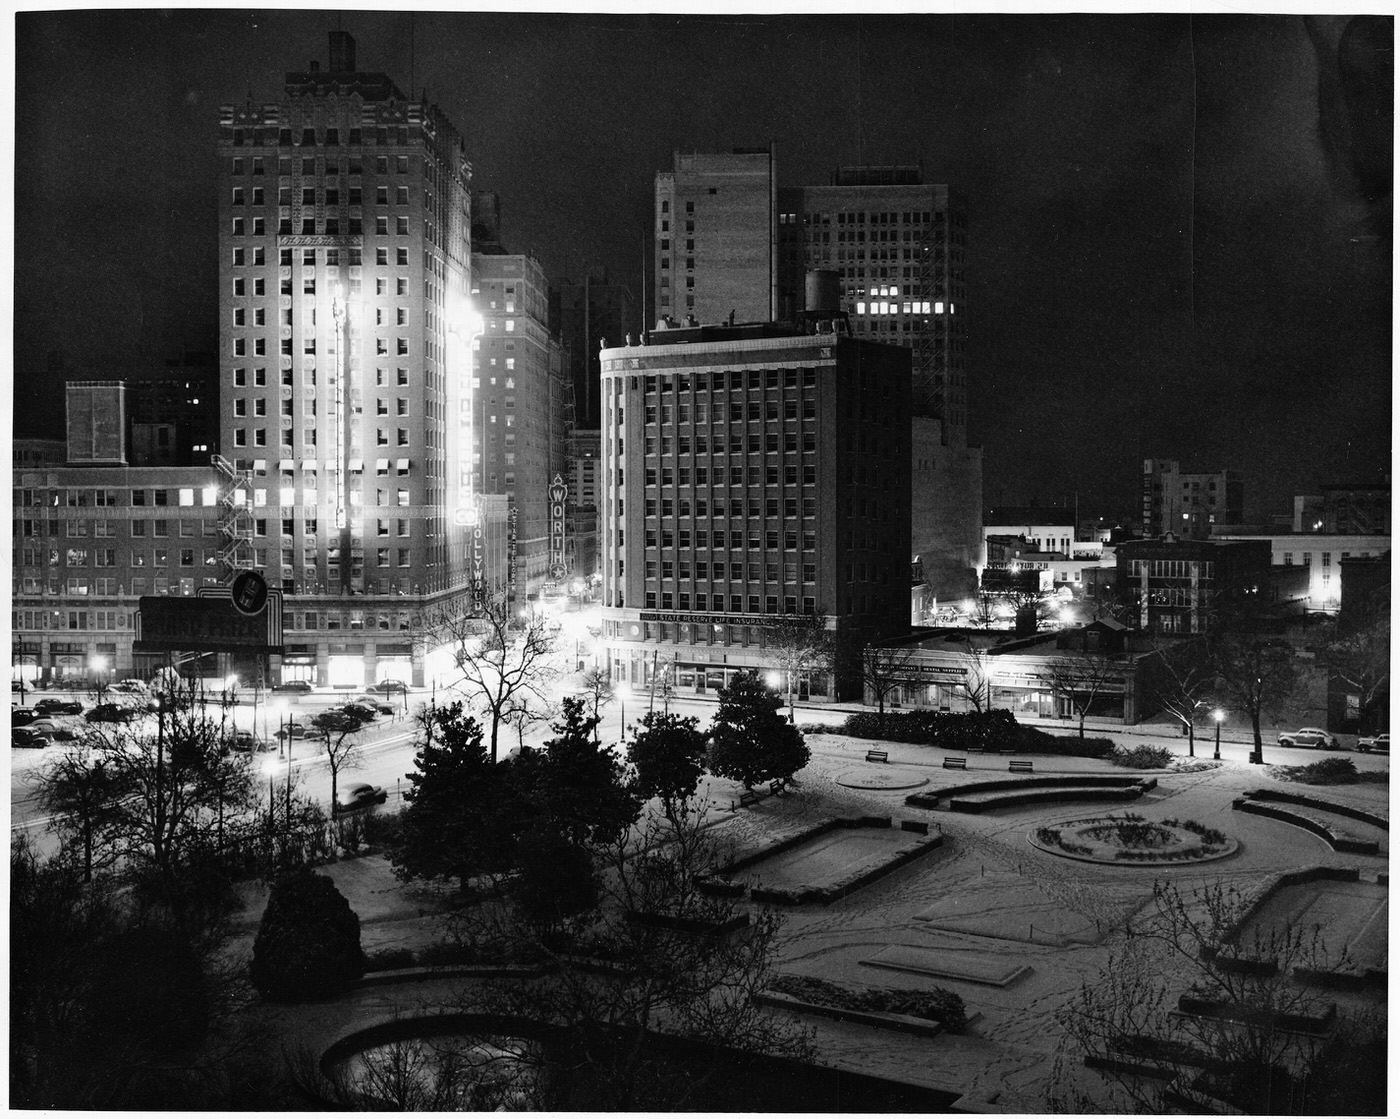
{"points": [[344, 367]]}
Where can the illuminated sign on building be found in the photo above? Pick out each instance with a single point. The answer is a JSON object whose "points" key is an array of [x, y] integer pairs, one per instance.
{"points": [[558, 491]]}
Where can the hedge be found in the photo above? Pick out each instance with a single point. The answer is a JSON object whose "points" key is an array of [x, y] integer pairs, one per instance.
{"points": [[988, 731]]}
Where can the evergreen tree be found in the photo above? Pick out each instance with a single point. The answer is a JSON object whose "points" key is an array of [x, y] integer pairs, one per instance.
{"points": [[668, 755], [751, 741], [577, 787], [308, 944], [460, 819]]}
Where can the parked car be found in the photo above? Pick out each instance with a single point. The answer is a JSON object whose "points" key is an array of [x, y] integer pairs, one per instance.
{"points": [[27, 737], [248, 742], [1380, 743], [111, 713], [58, 707], [301, 687], [361, 711], [1309, 736], [350, 797], [375, 704], [130, 687], [335, 721], [19, 716], [52, 730], [294, 730], [388, 687]]}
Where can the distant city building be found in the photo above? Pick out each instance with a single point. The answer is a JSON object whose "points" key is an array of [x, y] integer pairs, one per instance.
{"points": [[584, 507], [584, 313], [1019, 674], [1307, 513], [173, 415], [895, 248], [520, 392], [92, 535], [1320, 553], [97, 416], [1356, 510], [898, 245], [1188, 505], [751, 474], [716, 241], [30, 454], [344, 267], [1179, 586]]}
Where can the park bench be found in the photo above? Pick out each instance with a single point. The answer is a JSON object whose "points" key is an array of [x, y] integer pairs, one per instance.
{"points": [[1021, 767], [877, 756], [954, 763], [749, 797]]}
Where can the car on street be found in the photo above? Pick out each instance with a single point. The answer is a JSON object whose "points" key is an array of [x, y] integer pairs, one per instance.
{"points": [[111, 713], [52, 729], [362, 711], [248, 742], [1315, 737], [58, 707], [130, 687], [27, 737], [335, 722], [375, 704], [294, 730], [350, 797], [388, 687], [19, 716], [1380, 743], [301, 687]]}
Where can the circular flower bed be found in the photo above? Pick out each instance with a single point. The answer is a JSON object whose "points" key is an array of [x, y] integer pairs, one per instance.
{"points": [[1130, 838]]}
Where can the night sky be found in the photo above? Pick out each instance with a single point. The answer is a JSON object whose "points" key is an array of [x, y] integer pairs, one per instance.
{"points": [[1179, 227]]}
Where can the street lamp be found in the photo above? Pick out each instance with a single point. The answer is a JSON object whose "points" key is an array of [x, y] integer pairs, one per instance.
{"points": [[1219, 717], [98, 664]]}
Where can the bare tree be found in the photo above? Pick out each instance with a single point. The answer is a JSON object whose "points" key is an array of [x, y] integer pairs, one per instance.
{"points": [[976, 682], [797, 644], [1210, 1001], [598, 687], [341, 742], [502, 660], [78, 790], [1179, 678], [1080, 680], [884, 668], [1257, 673], [1362, 662]]}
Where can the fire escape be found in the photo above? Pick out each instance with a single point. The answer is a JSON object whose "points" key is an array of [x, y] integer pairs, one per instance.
{"points": [[235, 499]]}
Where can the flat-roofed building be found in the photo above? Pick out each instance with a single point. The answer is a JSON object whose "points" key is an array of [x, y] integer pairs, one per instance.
{"points": [[751, 474]]}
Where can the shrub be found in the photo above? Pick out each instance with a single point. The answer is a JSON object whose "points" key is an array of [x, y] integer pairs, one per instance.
{"points": [[1141, 757], [308, 944], [1068, 746], [556, 879], [1328, 771], [960, 730], [390, 959], [938, 1004]]}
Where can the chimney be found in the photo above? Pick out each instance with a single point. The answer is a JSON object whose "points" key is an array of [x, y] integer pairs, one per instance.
{"points": [[342, 52]]}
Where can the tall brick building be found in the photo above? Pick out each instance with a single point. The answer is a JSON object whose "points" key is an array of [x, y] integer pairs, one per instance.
{"points": [[750, 473], [344, 270]]}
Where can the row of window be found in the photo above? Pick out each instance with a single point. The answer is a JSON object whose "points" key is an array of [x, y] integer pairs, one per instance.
{"points": [[738, 571], [732, 604], [737, 507], [287, 165], [738, 411], [81, 497], [738, 476], [772, 441], [756, 538]]}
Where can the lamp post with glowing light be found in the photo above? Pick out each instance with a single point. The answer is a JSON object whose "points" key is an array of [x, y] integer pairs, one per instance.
{"points": [[1219, 717], [98, 664]]}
